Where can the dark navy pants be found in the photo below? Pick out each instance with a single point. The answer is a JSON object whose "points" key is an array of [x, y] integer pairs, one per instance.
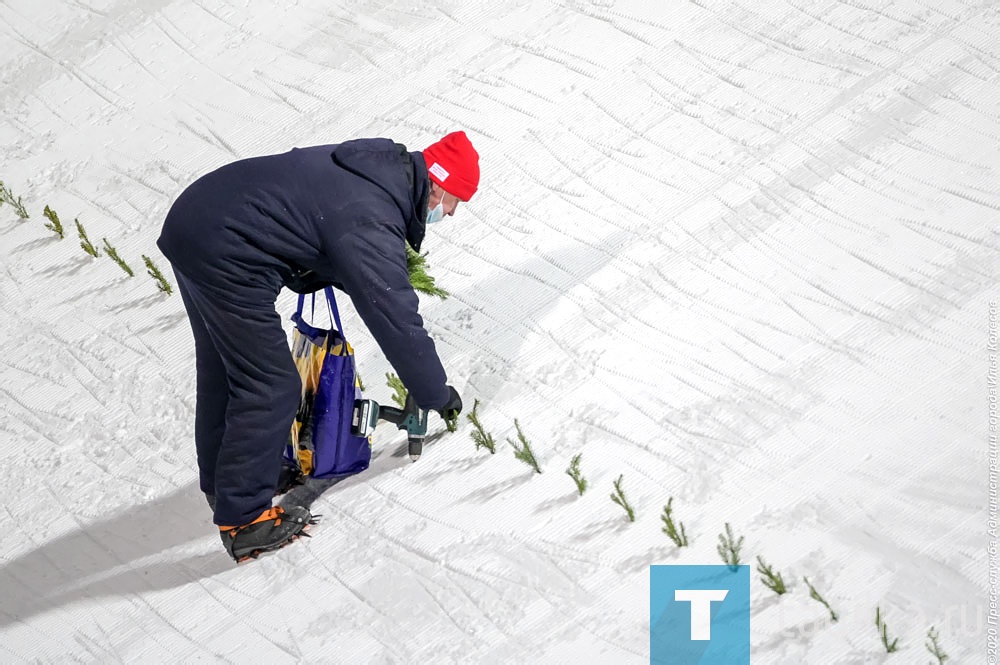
{"points": [[248, 391]]}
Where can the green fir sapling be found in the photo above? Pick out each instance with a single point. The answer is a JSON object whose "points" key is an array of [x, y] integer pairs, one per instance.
{"points": [[522, 449], [480, 436], [54, 224], [815, 595], [84, 240], [618, 496], [891, 646], [399, 391], [574, 472], [935, 648], [729, 548], [6, 196], [674, 530], [770, 578], [113, 253], [416, 265], [161, 282]]}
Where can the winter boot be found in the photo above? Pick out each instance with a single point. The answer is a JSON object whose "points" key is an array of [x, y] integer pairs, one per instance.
{"points": [[275, 528]]}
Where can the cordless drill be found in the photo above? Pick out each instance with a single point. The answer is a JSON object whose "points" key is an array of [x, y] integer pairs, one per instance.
{"points": [[368, 412]]}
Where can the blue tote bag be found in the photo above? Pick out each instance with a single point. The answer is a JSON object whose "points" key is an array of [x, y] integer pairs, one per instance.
{"points": [[321, 443]]}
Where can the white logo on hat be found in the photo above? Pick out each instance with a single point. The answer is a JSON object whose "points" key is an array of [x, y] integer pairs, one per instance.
{"points": [[439, 171]]}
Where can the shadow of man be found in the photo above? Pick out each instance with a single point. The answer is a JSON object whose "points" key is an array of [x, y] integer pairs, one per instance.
{"points": [[108, 557], [129, 554]]}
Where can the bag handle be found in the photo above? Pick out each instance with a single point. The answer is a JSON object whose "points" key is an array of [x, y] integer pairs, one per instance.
{"points": [[331, 303]]}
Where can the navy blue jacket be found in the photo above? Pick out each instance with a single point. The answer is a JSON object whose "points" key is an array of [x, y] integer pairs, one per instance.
{"points": [[335, 215]]}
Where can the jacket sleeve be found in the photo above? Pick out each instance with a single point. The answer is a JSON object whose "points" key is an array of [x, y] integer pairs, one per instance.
{"points": [[372, 268]]}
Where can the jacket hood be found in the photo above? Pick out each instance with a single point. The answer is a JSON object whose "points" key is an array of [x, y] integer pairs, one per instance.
{"points": [[401, 174]]}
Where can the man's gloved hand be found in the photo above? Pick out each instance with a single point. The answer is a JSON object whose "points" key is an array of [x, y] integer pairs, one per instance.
{"points": [[453, 407]]}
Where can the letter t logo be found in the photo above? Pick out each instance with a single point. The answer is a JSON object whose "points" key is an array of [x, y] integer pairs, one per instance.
{"points": [[701, 609]]}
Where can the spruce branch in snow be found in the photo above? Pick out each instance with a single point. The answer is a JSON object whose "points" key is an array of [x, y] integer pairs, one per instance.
{"points": [[451, 422], [619, 497], [574, 472], [522, 449], [771, 579], [113, 253], [814, 594], [416, 265], [54, 224], [84, 240], [6, 196], [729, 548], [890, 646], [161, 282], [933, 646], [480, 436], [678, 535], [399, 391]]}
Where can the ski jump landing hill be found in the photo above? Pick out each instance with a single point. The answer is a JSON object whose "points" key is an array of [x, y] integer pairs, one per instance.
{"points": [[740, 254]]}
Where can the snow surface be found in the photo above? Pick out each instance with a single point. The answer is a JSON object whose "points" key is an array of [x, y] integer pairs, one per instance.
{"points": [[741, 253]]}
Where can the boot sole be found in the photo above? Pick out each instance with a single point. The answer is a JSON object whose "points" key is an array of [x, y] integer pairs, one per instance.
{"points": [[255, 553]]}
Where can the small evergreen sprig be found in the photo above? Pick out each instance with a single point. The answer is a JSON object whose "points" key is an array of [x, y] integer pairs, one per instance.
{"points": [[480, 436], [161, 282], [814, 594], [451, 422], [678, 535], [399, 391], [890, 646], [618, 496], [729, 548], [85, 241], [416, 265], [6, 196], [771, 579], [522, 449], [574, 472], [113, 253], [935, 648], [54, 224]]}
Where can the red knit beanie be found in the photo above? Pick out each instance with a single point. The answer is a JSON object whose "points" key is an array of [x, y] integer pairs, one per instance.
{"points": [[453, 163]]}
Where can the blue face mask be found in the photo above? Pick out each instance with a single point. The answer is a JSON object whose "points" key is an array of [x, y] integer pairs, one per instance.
{"points": [[435, 215]]}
